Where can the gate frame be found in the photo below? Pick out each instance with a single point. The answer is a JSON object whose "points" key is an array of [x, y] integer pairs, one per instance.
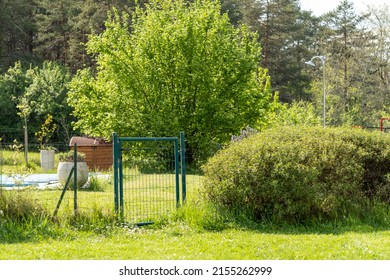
{"points": [[118, 167]]}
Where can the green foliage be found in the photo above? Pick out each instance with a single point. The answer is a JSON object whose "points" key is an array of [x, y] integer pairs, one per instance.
{"points": [[288, 36], [17, 32], [53, 24], [48, 89], [96, 184], [179, 67], [69, 157], [301, 174], [47, 128], [13, 83], [295, 114], [32, 94], [356, 67], [202, 215]]}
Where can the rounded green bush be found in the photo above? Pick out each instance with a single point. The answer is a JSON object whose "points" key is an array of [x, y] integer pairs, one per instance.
{"points": [[302, 173]]}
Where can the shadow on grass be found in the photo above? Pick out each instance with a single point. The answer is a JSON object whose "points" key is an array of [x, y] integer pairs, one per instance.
{"points": [[37, 231], [12, 232], [209, 217], [334, 228]]}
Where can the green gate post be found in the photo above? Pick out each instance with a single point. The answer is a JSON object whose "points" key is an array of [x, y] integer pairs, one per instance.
{"points": [[63, 192], [183, 166], [120, 190], [177, 171], [115, 167], [75, 178]]}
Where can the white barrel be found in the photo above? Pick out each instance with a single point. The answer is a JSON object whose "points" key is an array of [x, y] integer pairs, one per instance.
{"points": [[47, 159], [64, 169]]}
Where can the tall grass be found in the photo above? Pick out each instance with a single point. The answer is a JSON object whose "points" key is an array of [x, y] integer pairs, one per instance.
{"points": [[24, 218]]}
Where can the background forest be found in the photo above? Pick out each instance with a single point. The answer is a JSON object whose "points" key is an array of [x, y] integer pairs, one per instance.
{"points": [[42, 46]]}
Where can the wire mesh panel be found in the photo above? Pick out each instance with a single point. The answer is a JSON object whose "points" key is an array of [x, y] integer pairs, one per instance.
{"points": [[148, 178], [33, 185]]}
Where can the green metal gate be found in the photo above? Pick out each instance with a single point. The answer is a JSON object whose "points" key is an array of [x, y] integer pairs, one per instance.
{"points": [[148, 173]]}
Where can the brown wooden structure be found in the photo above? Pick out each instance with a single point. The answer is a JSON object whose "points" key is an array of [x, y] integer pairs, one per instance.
{"points": [[98, 153]]}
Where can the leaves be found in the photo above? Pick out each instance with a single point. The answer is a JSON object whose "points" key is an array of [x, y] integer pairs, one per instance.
{"points": [[34, 93], [301, 174], [180, 67]]}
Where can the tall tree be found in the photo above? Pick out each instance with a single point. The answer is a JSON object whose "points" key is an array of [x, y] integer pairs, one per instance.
{"points": [[88, 18], [17, 31], [28, 95], [13, 84], [377, 67], [53, 25], [346, 44], [47, 94], [344, 35], [183, 67], [286, 35]]}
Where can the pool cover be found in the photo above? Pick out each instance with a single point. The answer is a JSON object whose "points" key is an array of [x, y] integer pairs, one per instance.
{"points": [[39, 180]]}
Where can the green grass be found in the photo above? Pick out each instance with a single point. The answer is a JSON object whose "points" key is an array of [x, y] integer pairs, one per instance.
{"points": [[178, 241]]}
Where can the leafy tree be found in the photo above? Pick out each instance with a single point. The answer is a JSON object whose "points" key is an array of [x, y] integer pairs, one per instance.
{"points": [[343, 23], [31, 94], [377, 66], [299, 113], [48, 92], [13, 84], [181, 67]]}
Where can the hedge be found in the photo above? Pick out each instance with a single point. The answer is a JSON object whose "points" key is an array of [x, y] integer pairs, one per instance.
{"points": [[302, 173]]}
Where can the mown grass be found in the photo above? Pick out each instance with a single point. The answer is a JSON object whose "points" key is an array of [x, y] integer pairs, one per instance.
{"points": [[178, 241]]}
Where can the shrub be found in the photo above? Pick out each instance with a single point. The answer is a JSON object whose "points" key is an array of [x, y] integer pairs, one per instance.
{"points": [[296, 174], [69, 157]]}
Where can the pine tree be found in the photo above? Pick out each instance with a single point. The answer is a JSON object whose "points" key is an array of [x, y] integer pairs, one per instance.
{"points": [[16, 32], [89, 19], [286, 35], [346, 44], [53, 26]]}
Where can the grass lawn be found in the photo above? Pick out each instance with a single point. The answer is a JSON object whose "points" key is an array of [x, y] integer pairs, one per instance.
{"points": [[180, 242]]}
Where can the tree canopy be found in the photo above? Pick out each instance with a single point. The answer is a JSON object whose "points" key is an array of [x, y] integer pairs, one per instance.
{"points": [[179, 67]]}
